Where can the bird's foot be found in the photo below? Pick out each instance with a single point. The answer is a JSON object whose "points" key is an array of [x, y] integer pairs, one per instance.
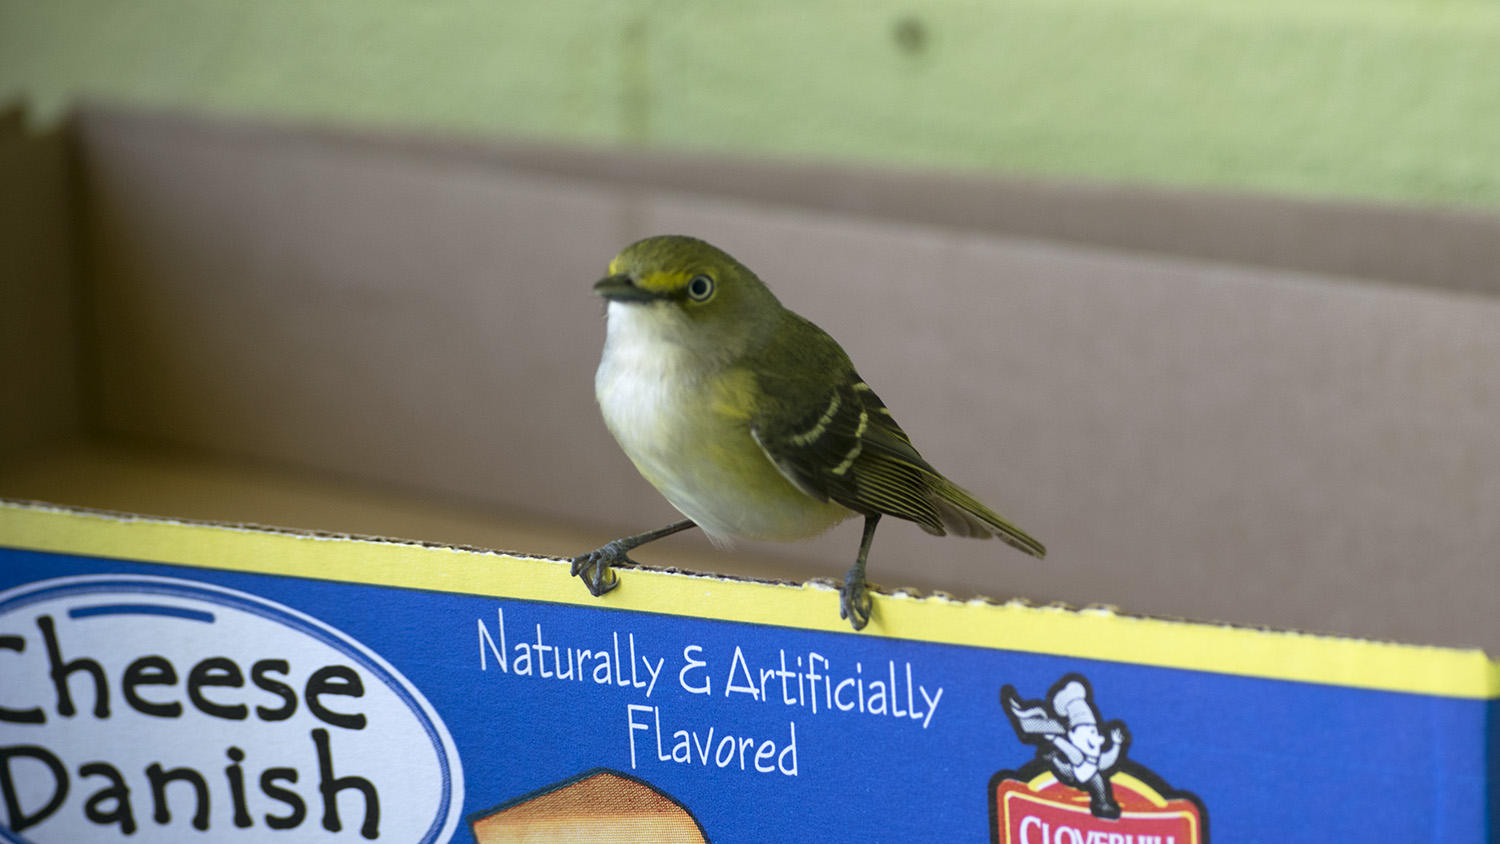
{"points": [[855, 603], [594, 567]]}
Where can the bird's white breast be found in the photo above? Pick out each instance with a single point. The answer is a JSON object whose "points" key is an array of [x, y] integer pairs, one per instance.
{"points": [[657, 397], [643, 383]]}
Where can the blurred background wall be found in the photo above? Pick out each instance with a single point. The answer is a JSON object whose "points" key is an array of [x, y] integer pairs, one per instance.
{"points": [[1210, 397], [1392, 100]]}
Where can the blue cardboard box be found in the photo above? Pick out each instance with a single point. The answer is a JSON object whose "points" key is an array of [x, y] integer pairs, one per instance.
{"points": [[179, 681]]}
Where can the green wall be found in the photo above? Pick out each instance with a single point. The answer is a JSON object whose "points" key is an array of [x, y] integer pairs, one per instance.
{"points": [[1386, 99]]}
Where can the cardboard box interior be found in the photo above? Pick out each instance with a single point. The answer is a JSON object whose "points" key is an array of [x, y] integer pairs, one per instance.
{"points": [[1252, 410]]}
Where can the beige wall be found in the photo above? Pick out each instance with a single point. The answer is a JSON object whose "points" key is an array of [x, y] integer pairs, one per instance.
{"points": [[1392, 99]]}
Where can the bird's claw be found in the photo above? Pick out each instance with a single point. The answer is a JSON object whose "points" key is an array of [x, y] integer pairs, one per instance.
{"points": [[594, 567], [855, 603]]}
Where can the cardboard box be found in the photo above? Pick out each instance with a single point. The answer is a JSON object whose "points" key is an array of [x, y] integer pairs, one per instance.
{"points": [[1257, 411], [173, 679]]}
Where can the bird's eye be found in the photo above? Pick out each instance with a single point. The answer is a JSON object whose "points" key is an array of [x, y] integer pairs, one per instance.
{"points": [[701, 288]]}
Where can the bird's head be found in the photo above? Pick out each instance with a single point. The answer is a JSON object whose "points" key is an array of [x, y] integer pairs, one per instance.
{"points": [[690, 293]]}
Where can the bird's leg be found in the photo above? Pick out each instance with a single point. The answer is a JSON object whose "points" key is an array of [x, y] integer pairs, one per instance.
{"points": [[594, 567], [854, 598]]}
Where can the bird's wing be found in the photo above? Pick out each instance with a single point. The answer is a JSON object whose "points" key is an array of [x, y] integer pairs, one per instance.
{"points": [[833, 438], [829, 434]]}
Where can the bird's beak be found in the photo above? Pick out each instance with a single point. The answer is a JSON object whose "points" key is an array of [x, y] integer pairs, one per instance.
{"points": [[619, 288]]}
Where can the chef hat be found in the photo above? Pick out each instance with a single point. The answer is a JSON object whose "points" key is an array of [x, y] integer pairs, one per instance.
{"points": [[1071, 703]]}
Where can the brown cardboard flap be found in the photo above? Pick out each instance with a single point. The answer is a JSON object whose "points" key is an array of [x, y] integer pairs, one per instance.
{"points": [[1154, 384], [39, 295]]}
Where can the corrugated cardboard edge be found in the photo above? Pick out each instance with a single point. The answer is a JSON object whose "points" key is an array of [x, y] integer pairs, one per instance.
{"points": [[1091, 633]]}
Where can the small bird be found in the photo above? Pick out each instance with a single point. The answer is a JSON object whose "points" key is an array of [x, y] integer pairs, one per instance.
{"points": [[752, 421]]}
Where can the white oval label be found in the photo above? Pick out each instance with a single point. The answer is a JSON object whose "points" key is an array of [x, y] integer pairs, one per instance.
{"points": [[151, 708]]}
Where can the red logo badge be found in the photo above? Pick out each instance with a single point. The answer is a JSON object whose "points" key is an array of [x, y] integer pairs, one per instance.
{"points": [[1080, 788]]}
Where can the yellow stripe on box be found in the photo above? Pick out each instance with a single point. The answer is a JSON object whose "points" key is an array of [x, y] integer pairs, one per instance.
{"points": [[1088, 633]]}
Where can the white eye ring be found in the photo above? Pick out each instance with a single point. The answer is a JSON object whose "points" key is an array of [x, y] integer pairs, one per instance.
{"points": [[700, 288]]}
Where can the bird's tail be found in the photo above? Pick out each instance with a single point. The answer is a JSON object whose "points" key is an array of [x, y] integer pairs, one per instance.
{"points": [[963, 515]]}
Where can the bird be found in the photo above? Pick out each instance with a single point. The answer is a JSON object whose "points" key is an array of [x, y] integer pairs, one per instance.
{"points": [[752, 421]]}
